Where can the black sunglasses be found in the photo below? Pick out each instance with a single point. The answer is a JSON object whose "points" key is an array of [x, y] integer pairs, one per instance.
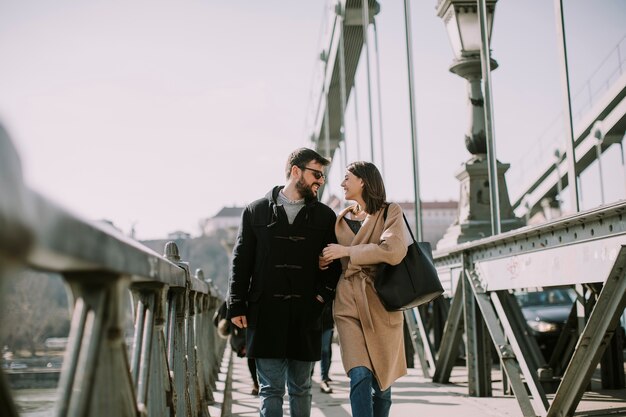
{"points": [[316, 172]]}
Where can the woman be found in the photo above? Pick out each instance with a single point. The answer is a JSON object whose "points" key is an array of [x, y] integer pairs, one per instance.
{"points": [[371, 338], [328, 324]]}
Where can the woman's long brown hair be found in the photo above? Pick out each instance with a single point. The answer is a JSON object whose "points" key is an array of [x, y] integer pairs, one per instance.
{"points": [[374, 194]]}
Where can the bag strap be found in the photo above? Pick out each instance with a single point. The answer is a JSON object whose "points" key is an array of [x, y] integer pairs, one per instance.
{"points": [[405, 221]]}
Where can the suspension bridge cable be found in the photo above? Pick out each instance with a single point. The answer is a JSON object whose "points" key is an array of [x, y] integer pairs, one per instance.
{"points": [[380, 101], [357, 130], [572, 177], [416, 182], [342, 79], [366, 20]]}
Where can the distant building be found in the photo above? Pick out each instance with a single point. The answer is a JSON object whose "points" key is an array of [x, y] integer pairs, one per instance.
{"points": [[226, 218], [436, 217], [178, 235], [335, 203]]}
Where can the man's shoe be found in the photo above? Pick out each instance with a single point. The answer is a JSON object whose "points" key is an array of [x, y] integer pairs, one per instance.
{"points": [[325, 388]]}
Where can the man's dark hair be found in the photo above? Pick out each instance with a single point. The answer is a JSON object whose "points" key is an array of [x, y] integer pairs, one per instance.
{"points": [[302, 156], [374, 194]]}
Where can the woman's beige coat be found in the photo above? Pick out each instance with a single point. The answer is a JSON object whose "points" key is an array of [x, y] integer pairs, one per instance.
{"points": [[369, 335]]}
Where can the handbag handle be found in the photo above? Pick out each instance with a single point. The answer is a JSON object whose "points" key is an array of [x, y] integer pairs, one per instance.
{"points": [[405, 221]]}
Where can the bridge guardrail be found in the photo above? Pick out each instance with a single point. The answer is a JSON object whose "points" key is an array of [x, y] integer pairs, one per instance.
{"points": [[586, 251], [175, 355]]}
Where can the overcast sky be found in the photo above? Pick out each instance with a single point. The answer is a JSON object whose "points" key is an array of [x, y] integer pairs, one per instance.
{"points": [[159, 113]]}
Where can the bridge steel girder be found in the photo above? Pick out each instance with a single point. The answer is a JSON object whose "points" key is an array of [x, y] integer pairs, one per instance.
{"points": [[585, 249], [566, 343], [507, 306], [611, 111], [593, 341], [477, 341], [510, 362], [421, 343], [452, 333], [352, 27], [517, 343]]}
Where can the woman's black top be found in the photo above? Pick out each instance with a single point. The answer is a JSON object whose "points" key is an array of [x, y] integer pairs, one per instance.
{"points": [[355, 225]]}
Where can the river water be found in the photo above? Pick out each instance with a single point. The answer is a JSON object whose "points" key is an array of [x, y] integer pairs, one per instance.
{"points": [[35, 402]]}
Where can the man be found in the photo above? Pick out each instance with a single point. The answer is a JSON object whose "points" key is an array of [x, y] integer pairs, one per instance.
{"points": [[277, 289]]}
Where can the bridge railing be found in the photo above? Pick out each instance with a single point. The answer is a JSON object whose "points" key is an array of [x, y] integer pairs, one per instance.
{"points": [[586, 251], [175, 357]]}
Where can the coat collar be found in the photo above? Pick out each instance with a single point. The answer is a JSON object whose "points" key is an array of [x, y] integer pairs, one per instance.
{"points": [[367, 228], [272, 196]]}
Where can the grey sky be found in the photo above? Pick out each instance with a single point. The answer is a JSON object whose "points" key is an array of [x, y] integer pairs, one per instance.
{"points": [[162, 112]]}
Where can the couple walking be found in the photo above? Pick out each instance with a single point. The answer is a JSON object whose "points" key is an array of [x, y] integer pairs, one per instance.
{"points": [[292, 257]]}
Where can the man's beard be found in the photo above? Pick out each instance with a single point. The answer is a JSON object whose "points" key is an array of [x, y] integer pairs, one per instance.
{"points": [[306, 191]]}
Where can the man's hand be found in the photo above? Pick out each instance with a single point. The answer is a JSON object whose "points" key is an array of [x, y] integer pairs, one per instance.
{"points": [[240, 321], [323, 263]]}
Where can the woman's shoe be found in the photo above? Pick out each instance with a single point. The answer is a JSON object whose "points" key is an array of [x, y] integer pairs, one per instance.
{"points": [[325, 388]]}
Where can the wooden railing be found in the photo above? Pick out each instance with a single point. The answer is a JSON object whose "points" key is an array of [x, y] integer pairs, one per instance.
{"points": [[176, 353]]}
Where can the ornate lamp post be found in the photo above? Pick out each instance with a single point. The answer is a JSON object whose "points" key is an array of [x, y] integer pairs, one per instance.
{"points": [[474, 219]]}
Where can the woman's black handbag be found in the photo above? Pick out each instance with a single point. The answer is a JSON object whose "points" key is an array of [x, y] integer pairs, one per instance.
{"points": [[412, 282]]}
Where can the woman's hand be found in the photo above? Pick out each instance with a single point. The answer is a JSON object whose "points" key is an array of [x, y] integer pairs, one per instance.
{"points": [[334, 251]]}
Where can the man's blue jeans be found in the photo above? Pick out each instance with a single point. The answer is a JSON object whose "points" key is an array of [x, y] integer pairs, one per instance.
{"points": [[273, 375], [366, 398]]}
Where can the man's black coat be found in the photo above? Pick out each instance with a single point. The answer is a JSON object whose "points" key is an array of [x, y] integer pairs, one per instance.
{"points": [[275, 278]]}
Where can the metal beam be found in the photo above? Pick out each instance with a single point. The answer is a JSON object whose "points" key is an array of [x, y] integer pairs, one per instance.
{"points": [[352, 33], [517, 344], [531, 351], [507, 356], [453, 330], [593, 341], [565, 344], [478, 347], [594, 224], [417, 328]]}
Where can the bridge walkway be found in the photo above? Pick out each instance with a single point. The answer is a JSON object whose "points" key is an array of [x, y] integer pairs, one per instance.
{"points": [[412, 395]]}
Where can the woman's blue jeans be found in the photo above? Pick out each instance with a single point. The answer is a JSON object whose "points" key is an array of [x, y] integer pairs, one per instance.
{"points": [[273, 375], [327, 339], [366, 398]]}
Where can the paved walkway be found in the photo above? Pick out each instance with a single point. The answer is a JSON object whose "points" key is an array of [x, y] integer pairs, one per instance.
{"points": [[413, 395]]}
